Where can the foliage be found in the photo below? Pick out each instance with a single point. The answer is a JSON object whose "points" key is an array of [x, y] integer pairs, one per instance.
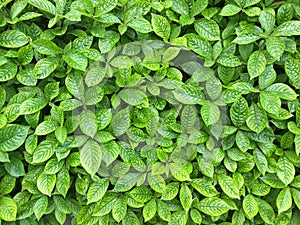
{"points": [[108, 116]]}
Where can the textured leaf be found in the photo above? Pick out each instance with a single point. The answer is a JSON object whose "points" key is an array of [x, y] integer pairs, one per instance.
{"points": [[119, 209], [283, 91], [250, 206], [288, 28], [121, 122], [97, 190], [239, 112], [91, 156], [270, 102], [210, 113], [213, 206], [12, 137], [185, 196], [257, 119], [284, 200], [8, 209], [161, 26], [286, 172], [230, 10], [149, 210], [256, 64], [228, 186], [207, 29], [13, 39], [46, 183]]}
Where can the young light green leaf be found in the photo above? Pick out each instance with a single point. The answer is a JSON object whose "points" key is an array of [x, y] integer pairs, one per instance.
{"points": [[228, 186], [250, 206], [270, 102], [239, 112], [284, 200], [12, 137], [40, 207], [266, 211], [289, 28], [207, 29], [8, 209], [119, 209], [97, 190], [213, 206], [161, 26], [230, 10], [46, 183], [149, 210], [256, 64], [257, 119], [13, 39], [286, 171], [210, 113], [185, 196], [91, 156], [46, 47]]}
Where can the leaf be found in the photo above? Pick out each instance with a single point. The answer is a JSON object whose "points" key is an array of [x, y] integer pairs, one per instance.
{"points": [[132, 96], [46, 183], [121, 122], [256, 64], [13, 39], [179, 172], [180, 6], [267, 21], [12, 137], [283, 91], [284, 200], [163, 210], [275, 46], [43, 152], [40, 207], [239, 112], [257, 119], [109, 40], [205, 189], [229, 60], [266, 211], [97, 190], [213, 206], [76, 60], [141, 194], [119, 209], [207, 29], [179, 218], [157, 183], [88, 123], [149, 210], [8, 209], [32, 105], [210, 113], [292, 69], [91, 157], [286, 171], [46, 47], [250, 206], [161, 26], [260, 161], [8, 71], [270, 102], [199, 45], [126, 182], [289, 28], [140, 25], [228, 186], [44, 67], [45, 5], [63, 182], [185, 196], [230, 10], [267, 77], [45, 127]]}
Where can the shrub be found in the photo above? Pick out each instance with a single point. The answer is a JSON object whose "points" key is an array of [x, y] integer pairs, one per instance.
{"points": [[149, 112]]}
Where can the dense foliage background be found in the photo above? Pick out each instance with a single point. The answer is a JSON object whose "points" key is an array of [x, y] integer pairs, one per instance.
{"points": [[143, 133]]}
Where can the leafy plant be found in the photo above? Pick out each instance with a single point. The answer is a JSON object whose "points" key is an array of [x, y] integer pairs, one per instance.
{"points": [[149, 112]]}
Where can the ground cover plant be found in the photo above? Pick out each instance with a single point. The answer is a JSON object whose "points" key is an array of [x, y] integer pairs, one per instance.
{"points": [[149, 112]]}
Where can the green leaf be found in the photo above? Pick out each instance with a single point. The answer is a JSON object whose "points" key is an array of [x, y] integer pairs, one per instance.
{"points": [[199, 45], [109, 40], [97, 190], [213, 206], [283, 91], [179, 218], [256, 64], [292, 69], [284, 200], [257, 119], [46, 47], [207, 29], [230, 10], [210, 113], [228, 186], [119, 209], [267, 21], [239, 112], [196, 216], [266, 211], [250, 206], [8, 71], [275, 46], [229, 60], [140, 25], [157, 183], [180, 6], [161, 26], [63, 182], [267, 77], [44, 67], [40, 207], [171, 191], [32, 105], [126, 182], [286, 171], [260, 161], [8, 209], [270, 102], [132, 96], [76, 60], [141, 194], [43, 152], [121, 122], [149, 210], [13, 39], [179, 172], [289, 28], [45, 5], [90, 157], [185, 196], [88, 123], [205, 189], [12, 137], [163, 210], [45, 127], [46, 183]]}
